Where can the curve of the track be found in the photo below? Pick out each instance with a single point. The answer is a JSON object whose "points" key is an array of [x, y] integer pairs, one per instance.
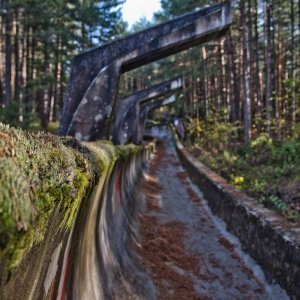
{"points": [[147, 234]]}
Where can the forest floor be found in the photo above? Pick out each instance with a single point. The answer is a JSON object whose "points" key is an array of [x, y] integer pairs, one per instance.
{"points": [[266, 169], [186, 251]]}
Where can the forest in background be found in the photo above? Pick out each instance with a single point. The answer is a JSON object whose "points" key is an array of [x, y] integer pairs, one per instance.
{"points": [[39, 39], [249, 78], [241, 102]]}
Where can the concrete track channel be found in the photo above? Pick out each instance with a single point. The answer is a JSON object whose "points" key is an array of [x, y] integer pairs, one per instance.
{"points": [[156, 238]]}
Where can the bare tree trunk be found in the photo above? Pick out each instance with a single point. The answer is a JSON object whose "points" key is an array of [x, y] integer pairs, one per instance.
{"points": [[246, 88], [280, 58], [61, 86], [1, 57], [268, 67], [204, 54], [55, 107], [234, 103], [44, 107], [251, 54], [17, 60], [8, 51], [292, 100], [221, 65], [257, 72]]}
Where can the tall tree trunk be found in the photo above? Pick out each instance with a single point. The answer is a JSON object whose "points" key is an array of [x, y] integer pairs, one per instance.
{"points": [[268, 67], [8, 51], [44, 107], [1, 57], [234, 103], [273, 64], [17, 60], [221, 65], [55, 107], [280, 104], [206, 84], [246, 88], [251, 53], [61, 85], [292, 100], [30, 61], [257, 71]]}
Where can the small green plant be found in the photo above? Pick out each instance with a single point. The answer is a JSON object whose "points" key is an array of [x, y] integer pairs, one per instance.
{"points": [[265, 167], [293, 216], [275, 201]]}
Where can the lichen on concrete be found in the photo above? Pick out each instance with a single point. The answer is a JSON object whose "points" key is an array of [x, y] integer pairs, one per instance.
{"points": [[41, 173], [38, 171]]}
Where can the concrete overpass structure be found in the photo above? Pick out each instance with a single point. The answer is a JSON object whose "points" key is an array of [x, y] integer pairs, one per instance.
{"points": [[143, 115], [92, 91], [128, 109]]}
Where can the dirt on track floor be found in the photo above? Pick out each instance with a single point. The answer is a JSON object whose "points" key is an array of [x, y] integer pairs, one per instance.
{"points": [[182, 248]]}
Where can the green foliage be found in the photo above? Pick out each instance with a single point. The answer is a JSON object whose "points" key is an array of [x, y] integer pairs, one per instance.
{"points": [[212, 134], [278, 204], [267, 169], [11, 115]]}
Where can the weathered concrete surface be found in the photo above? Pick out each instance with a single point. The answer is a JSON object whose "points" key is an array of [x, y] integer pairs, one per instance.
{"points": [[92, 90], [104, 263], [128, 109], [48, 268], [143, 115], [186, 250], [272, 241]]}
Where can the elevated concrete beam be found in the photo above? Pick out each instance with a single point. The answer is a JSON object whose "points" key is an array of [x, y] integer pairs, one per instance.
{"points": [[93, 85], [144, 111], [128, 109]]}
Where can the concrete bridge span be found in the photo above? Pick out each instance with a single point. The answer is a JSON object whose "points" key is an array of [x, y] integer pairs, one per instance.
{"points": [[128, 109], [92, 91], [143, 115]]}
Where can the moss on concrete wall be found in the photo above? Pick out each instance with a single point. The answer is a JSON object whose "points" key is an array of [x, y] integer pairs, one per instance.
{"points": [[40, 172]]}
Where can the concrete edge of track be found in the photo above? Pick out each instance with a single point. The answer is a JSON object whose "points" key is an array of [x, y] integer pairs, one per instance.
{"points": [[270, 239], [93, 256]]}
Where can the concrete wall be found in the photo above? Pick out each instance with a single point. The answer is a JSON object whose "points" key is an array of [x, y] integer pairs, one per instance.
{"points": [[90, 259], [271, 240]]}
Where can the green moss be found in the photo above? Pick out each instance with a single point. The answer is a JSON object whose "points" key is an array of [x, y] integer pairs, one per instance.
{"points": [[40, 172], [37, 172], [71, 204]]}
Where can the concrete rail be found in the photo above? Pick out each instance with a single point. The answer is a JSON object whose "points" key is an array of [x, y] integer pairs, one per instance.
{"points": [[91, 260], [272, 241]]}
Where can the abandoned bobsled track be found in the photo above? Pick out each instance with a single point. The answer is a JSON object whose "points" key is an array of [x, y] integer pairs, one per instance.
{"points": [[149, 234], [145, 231], [142, 230]]}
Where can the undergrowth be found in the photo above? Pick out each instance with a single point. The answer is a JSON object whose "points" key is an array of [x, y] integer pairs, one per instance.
{"points": [[267, 169]]}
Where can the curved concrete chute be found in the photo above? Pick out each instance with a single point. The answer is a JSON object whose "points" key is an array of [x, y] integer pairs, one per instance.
{"points": [[99, 69], [104, 265]]}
